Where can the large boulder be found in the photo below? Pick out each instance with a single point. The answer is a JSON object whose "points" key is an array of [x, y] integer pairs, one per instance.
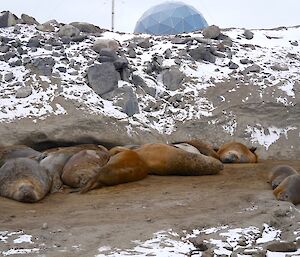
{"points": [[172, 78], [105, 43], [29, 20], [202, 53], [103, 78], [68, 31], [87, 27], [7, 19]]}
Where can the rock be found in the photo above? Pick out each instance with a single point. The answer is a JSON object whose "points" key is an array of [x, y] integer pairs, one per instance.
{"points": [[7, 56], [168, 53], [45, 225], [143, 42], [199, 244], [294, 43], [131, 53], [248, 34], [105, 43], [278, 67], [245, 61], [121, 63], [9, 77], [24, 92], [211, 32], [34, 42], [7, 19], [4, 49], [43, 66], [45, 27], [172, 78], [29, 20], [87, 27], [107, 55], [252, 68], [232, 65], [202, 53], [103, 78], [68, 31], [282, 247], [138, 81]]}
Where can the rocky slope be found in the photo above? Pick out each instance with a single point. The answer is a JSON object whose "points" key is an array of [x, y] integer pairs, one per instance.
{"points": [[70, 83]]}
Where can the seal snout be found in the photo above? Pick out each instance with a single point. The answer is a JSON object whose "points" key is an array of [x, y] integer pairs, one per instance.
{"points": [[230, 158], [26, 193]]}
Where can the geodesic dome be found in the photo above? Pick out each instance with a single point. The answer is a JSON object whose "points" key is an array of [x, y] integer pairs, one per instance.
{"points": [[170, 18]]}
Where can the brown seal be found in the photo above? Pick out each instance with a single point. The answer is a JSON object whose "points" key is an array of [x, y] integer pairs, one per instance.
{"points": [[289, 189], [163, 159], [82, 166], [235, 152], [24, 180], [279, 173], [203, 147], [123, 167], [15, 151], [56, 159]]}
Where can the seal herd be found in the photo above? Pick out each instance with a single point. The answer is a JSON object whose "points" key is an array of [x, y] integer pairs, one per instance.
{"points": [[27, 175]]}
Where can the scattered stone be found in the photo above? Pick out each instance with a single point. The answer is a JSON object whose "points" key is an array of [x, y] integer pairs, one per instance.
{"points": [[45, 225], [294, 43], [131, 53], [107, 55], [248, 34], [68, 31], [29, 20], [279, 67], [199, 244], [103, 78], [9, 77], [138, 81], [144, 43], [211, 32], [245, 61], [43, 66], [105, 43], [4, 49], [46, 27], [24, 92], [7, 19], [252, 68], [62, 69], [282, 247], [172, 78], [232, 65], [34, 42], [202, 53], [168, 53], [87, 27]]}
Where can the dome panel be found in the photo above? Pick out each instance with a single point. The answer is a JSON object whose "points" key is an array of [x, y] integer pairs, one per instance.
{"points": [[170, 18]]}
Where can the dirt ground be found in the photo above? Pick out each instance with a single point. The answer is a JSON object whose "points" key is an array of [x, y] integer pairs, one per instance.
{"points": [[72, 224]]}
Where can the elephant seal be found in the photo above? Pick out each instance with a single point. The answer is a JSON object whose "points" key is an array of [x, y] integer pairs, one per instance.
{"points": [[15, 151], [235, 152], [279, 173], [163, 159], [200, 145], [82, 166], [56, 159], [24, 180], [289, 189], [123, 167]]}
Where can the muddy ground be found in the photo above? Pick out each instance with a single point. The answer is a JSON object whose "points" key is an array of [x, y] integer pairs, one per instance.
{"points": [[65, 224]]}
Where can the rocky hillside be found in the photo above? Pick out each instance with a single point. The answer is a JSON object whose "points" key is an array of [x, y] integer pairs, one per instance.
{"points": [[70, 83]]}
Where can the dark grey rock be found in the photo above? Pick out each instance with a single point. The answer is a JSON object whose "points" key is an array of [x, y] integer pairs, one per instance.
{"points": [[79, 38], [66, 40], [62, 69], [202, 53], [34, 42], [131, 53], [232, 65], [248, 34], [252, 68], [7, 19], [139, 82], [282, 247], [7, 56], [15, 63], [245, 61], [24, 92], [29, 20], [110, 54], [87, 27], [4, 49], [121, 63], [43, 66], [278, 67], [53, 42], [21, 50], [294, 43], [144, 42], [212, 32], [180, 40], [68, 31], [9, 77], [103, 78], [172, 78], [168, 53]]}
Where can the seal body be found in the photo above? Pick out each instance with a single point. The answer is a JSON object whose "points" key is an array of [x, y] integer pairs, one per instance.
{"points": [[15, 151], [279, 173], [24, 180], [56, 159], [203, 147], [123, 167], [235, 152], [289, 189], [82, 166], [163, 159]]}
